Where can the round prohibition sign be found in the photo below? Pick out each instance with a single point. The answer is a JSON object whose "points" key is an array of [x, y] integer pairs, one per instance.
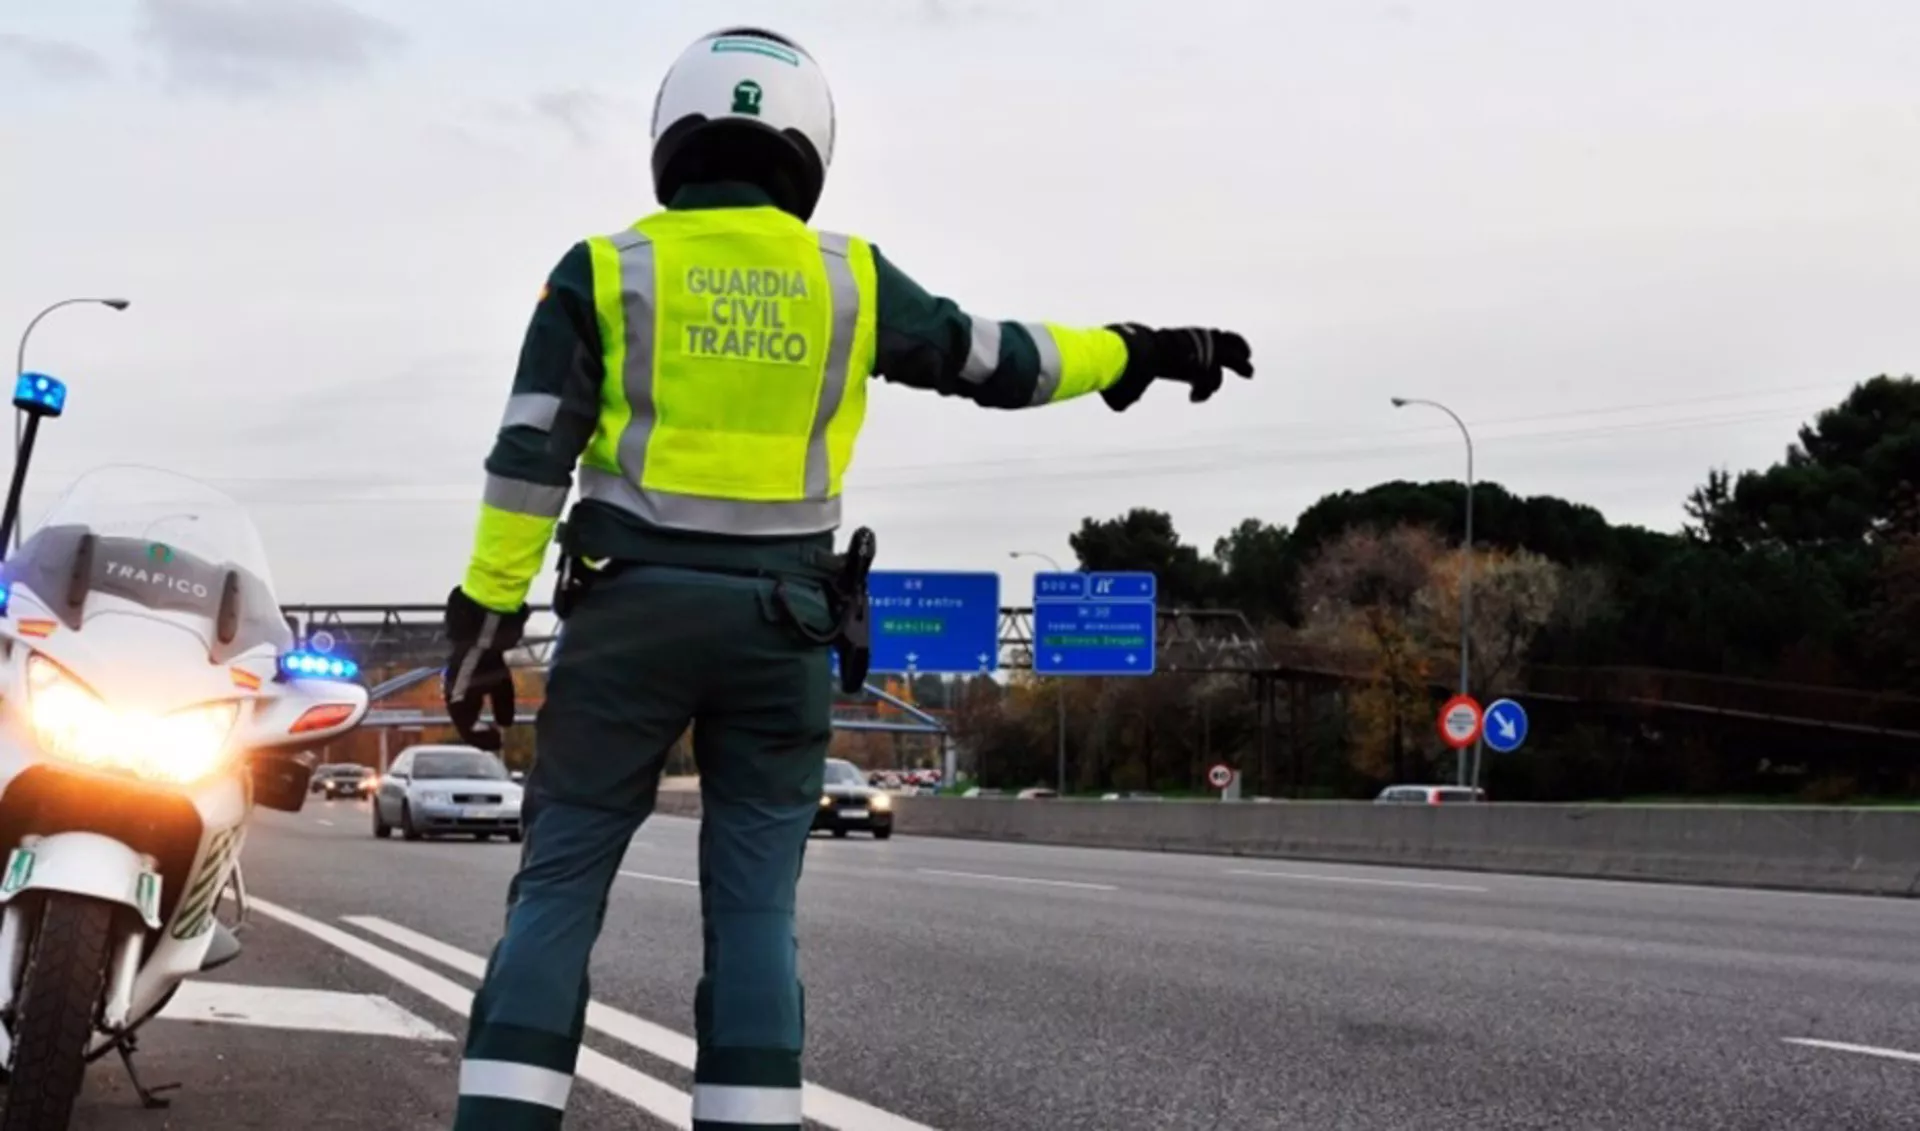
{"points": [[1220, 776], [1460, 721]]}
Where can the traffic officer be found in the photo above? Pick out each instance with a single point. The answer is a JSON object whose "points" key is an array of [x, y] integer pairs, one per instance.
{"points": [[706, 371]]}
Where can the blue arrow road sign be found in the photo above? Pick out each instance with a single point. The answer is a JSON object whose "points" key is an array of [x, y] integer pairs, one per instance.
{"points": [[1093, 623], [1505, 727], [935, 623]]}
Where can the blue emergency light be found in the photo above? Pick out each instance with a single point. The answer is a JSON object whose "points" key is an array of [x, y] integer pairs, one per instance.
{"points": [[39, 394], [313, 665]]}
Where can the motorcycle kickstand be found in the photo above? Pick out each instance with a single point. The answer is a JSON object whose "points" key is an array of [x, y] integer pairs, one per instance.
{"points": [[126, 1044], [237, 890]]}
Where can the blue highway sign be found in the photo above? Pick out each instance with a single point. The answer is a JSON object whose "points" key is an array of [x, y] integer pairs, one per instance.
{"points": [[1093, 623], [935, 623], [1506, 726]]}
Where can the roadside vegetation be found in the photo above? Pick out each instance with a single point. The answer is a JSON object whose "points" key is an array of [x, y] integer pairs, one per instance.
{"points": [[1655, 663]]}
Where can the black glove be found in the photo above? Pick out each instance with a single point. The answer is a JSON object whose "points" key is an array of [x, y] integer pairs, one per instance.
{"points": [[1192, 355], [476, 672]]}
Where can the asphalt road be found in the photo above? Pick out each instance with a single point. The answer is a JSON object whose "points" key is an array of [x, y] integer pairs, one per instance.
{"points": [[969, 986]]}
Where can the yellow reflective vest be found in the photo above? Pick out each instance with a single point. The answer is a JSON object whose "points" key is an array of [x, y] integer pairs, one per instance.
{"points": [[737, 345], [705, 372]]}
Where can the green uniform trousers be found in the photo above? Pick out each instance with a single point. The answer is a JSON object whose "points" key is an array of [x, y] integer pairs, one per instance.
{"points": [[644, 654]]}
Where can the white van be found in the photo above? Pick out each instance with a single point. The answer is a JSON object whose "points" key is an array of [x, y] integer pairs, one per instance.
{"points": [[1429, 795]]}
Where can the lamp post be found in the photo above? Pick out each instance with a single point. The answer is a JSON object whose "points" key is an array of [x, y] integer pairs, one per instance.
{"points": [[1060, 688], [1466, 572], [20, 356], [20, 362]]}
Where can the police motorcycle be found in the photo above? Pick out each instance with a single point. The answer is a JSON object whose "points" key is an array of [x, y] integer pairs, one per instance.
{"points": [[149, 699]]}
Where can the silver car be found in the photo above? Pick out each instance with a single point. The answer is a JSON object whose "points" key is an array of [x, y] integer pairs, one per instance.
{"points": [[432, 790]]}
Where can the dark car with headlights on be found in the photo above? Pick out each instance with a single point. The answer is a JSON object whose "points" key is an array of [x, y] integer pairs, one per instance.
{"points": [[847, 803], [344, 781]]}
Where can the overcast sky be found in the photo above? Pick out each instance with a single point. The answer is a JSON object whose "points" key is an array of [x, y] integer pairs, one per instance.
{"points": [[1627, 241]]}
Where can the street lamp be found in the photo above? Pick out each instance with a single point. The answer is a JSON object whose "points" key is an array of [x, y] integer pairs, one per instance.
{"points": [[20, 364], [1060, 690], [1466, 570], [20, 358]]}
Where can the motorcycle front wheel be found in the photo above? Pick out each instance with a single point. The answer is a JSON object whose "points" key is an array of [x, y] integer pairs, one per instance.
{"points": [[60, 991]]}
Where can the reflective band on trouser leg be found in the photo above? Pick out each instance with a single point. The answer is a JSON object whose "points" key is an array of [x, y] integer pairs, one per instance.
{"points": [[729, 1105], [521, 1083], [1074, 363]]}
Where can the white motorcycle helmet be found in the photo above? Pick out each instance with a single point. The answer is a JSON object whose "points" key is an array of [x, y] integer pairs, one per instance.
{"points": [[742, 101]]}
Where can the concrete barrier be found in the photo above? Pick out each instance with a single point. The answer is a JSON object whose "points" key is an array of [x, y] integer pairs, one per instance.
{"points": [[1860, 851], [1865, 851]]}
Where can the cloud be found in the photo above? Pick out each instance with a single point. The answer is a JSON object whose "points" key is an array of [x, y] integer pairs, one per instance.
{"points": [[579, 116], [577, 111], [52, 58], [255, 46]]}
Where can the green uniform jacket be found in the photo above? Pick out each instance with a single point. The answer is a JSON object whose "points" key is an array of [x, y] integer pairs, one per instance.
{"points": [[923, 342]]}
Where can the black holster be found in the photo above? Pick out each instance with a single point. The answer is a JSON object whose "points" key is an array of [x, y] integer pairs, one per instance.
{"points": [[571, 580], [847, 603]]}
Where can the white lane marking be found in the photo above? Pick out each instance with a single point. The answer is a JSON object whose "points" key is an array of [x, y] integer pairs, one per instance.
{"points": [[275, 1007], [1311, 877], [660, 879], [1863, 1050], [655, 1097], [830, 1109], [329, 824], [1016, 879]]}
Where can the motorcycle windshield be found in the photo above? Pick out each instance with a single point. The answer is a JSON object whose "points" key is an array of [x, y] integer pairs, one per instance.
{"points": [[163, 541]]}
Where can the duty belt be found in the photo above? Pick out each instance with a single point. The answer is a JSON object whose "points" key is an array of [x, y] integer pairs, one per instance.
{"points": [[842, 576]]}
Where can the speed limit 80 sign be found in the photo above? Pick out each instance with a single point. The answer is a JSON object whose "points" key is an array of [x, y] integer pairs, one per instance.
{"points": [[1460, 721]]}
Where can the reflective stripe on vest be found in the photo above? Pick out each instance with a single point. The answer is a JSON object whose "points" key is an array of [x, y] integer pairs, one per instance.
{"points": [[738, 342]]}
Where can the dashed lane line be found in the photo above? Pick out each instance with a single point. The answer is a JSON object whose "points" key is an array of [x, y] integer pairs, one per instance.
{"points": [[660, 879], [1315, 877], [1016, 879], [1862, 1050]]}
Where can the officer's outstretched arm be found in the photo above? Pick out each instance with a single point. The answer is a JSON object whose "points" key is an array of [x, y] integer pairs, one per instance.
{"points": [[930, 343], [549, 419]]}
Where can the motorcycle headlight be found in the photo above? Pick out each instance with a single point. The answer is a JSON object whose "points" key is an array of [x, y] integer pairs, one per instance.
{"points": [[73, 724]]}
